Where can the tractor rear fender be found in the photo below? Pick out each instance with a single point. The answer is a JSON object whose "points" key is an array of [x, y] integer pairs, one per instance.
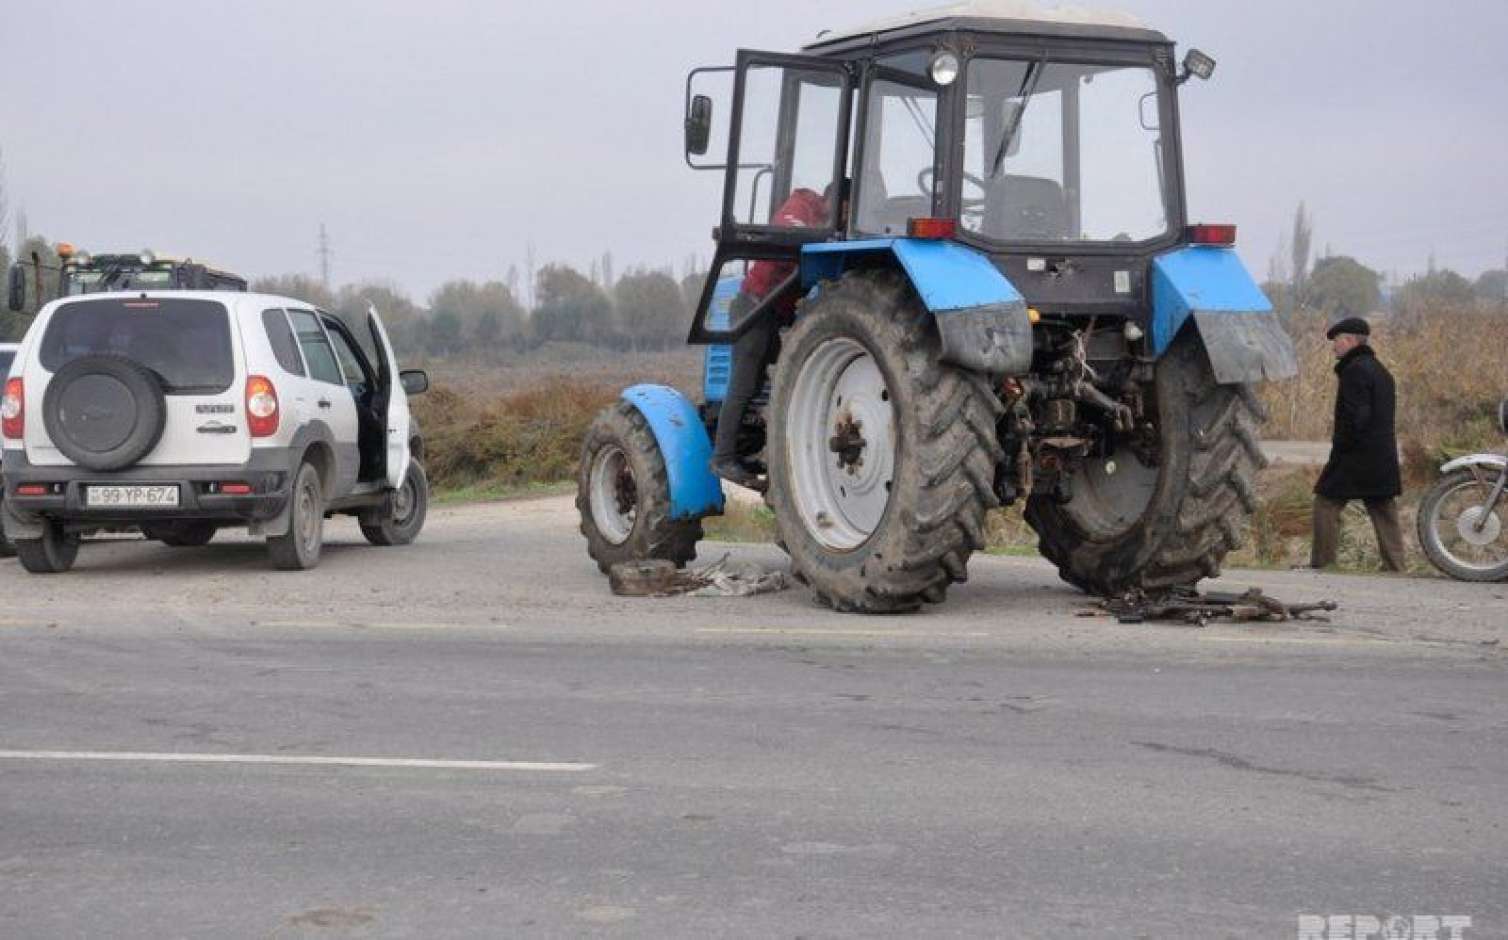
{"points": [[980, 315], [1240, 332], [672, 418]]}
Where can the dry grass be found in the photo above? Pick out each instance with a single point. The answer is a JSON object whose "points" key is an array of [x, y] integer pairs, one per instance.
{"points": [[527, 437], [520, 372]]}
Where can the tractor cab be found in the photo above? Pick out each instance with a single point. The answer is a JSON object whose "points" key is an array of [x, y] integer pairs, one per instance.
{"points": [[1049, 145], [79, 272]]}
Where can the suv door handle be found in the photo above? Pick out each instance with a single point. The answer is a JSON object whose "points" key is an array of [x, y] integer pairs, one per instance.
{"points": [[324, 402]]}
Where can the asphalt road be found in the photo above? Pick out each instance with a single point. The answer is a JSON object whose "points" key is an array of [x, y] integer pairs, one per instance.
{"points": [[192, 745]]}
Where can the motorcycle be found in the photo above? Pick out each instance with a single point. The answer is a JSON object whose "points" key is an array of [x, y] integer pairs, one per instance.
{"points": [[1463, 519]]}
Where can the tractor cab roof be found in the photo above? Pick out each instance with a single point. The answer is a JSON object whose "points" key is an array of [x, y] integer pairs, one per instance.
{"points": [[1004, 17]]}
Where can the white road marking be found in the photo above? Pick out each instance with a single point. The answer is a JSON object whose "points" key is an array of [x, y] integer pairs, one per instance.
{"points": [[798, 631], [374, 625], [298, 760], [1311, 640]]}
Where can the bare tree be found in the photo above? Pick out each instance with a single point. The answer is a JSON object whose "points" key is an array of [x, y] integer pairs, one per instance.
{"points": [[1303, 236], [4, 202], [1277, 265]]}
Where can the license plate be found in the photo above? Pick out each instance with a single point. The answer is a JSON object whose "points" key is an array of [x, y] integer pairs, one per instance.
{"points": [[102, 497]]}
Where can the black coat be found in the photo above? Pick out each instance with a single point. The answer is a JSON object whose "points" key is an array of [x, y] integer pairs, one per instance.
{"points": [[1364, 449]]}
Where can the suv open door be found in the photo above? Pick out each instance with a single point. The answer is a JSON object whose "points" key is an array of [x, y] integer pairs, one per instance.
{"points": [[394, 406]]}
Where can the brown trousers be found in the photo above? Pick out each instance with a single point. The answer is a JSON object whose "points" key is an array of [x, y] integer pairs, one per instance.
{"points": [[1384, 513]]}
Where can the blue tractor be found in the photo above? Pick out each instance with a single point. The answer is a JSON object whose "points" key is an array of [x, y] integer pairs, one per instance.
{"points": [[1011, 305]]}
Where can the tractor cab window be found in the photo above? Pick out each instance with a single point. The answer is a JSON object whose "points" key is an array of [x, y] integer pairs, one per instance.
{"points": [[790, 123], [1062, 152], [896, 181]]}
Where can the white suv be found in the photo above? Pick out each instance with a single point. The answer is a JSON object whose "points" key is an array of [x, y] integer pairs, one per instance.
{"points": [[7, 356], [182, 412]]}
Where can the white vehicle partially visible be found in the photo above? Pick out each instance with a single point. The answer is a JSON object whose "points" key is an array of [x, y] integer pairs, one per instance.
{"points": [[184, 412], [7, 356]]}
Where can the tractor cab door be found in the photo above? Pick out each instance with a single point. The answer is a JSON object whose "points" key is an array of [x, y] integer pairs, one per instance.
{"points": [[787, 132]]}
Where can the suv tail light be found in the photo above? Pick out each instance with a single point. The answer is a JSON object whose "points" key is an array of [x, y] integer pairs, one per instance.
{"points": [[13, 410], [261, 406]]}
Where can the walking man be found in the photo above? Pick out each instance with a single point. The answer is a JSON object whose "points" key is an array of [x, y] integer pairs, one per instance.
{"points": [[1364, 450]]}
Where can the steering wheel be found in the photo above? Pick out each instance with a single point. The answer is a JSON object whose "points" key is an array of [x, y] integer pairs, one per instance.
{"points": [[924, 182]]}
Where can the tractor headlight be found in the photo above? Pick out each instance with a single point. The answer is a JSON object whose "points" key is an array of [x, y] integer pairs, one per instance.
{"points": [[1199, 64], [944, 68]]}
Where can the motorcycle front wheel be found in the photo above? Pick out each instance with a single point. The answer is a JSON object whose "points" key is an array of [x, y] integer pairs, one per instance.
{"points": [[1458, 533]]}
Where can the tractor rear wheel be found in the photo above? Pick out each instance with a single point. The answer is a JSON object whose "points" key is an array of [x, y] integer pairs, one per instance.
{"points": [[1133, 525], [623, 494], [881, 457]]}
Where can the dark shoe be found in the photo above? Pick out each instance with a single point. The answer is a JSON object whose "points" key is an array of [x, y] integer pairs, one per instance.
{"points": [[733, 470]]}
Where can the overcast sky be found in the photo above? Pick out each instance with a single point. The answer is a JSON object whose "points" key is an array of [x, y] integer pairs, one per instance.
{"points": [[437, 139]]}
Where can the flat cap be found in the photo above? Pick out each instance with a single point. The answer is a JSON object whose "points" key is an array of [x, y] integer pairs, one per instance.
{"points": [[1354, 325]]}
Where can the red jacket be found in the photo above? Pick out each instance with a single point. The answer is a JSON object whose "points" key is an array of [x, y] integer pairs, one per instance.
{"points": [[802, 209]]}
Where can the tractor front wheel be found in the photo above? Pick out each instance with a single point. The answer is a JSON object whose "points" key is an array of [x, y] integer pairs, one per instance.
{"points": [[623, 494], [881, 457]]}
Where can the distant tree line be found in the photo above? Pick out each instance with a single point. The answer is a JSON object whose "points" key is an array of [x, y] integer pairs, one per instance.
{"points": [[1341, 286], [642, 310]]}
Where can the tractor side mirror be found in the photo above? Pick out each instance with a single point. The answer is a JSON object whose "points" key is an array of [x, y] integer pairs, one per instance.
{"points": [[698, 125], [16, 288], [414, 381], [1503, 415]]}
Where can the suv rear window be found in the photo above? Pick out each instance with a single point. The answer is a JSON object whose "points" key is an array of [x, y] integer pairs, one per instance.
{"points": [[7, 357], [186, 342]]}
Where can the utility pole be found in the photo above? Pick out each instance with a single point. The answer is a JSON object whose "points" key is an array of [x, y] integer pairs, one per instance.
{"points": [[529, 273], [324, 255]]}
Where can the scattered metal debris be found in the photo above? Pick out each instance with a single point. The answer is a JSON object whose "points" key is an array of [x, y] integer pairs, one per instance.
{"points": [[1188, 606], [657, 578]]}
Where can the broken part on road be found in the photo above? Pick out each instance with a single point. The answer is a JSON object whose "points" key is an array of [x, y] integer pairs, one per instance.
{"points": [[660, 578], [1186, 605]]}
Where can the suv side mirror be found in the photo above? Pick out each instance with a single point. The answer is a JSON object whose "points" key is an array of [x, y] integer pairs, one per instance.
{"points": [[17, 288], [414, 381], [698, 125]]}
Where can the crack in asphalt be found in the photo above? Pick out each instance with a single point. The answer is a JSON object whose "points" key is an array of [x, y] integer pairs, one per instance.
{"points": [[1236, 762]]}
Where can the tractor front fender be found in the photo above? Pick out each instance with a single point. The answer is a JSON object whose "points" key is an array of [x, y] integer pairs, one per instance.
{"points": [[694, 490], [1241, 333], [981, 316]]}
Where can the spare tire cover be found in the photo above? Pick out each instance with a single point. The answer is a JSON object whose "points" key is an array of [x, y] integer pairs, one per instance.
{"points": [[104, 412]]}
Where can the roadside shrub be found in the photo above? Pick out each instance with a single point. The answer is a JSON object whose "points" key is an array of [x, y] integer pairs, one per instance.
{"points": [[531, 436]]}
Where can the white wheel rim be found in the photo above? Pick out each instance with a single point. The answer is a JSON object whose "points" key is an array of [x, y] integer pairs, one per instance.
{"points": [[1477, 531], [841, 444], [613, 494]]}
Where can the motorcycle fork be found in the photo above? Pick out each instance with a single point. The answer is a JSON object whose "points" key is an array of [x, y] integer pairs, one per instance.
{"points": [[1492, 500]]}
